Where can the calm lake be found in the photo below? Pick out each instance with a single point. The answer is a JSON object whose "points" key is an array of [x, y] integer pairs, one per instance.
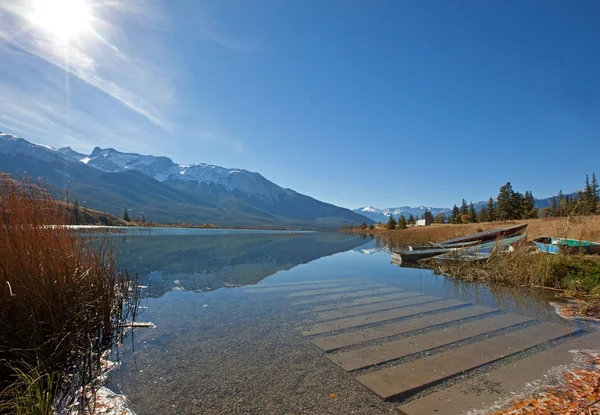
{"points": [[232, 310]]}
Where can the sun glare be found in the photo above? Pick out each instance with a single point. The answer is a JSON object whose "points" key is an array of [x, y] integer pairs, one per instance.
{"points": [[63, 18]]}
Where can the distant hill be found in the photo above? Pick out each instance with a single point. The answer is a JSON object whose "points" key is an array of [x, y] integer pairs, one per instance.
{"points": [[162, 191]]}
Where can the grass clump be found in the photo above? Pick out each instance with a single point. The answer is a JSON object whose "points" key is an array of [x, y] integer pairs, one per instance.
{"points": [[63, 301], [527, 267]]}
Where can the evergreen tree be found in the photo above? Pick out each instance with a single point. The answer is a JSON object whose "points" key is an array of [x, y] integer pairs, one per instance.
{"points": [[516, 202], [126, 215], [455, 218], [439, 218], [371, 226], [491, 210], [587, 197], [505, 202], [401, 222], [561, 208], [391, 224], [483, 215], [411, 219], [553, 206], [595, 193], [363, 225], [529, 209], [428, 216], [472, 214], [464, 209]]}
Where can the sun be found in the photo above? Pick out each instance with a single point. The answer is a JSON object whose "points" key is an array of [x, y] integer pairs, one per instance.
{"points": [[63, 18]]}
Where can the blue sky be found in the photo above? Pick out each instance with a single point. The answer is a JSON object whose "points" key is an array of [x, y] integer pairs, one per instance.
{"points": [[381, 103]]}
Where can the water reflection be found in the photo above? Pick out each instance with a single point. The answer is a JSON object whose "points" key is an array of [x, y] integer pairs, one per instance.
{"points": [[206, 262]]}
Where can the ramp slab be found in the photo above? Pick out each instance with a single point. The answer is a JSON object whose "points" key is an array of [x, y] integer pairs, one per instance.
{"points": [[395, 328], [354, 294], [366, 300], [357, 321], [290, 288], [368, 308], [373, 355], [408, 378], [334, 290], [303, 282], [502, 384]]}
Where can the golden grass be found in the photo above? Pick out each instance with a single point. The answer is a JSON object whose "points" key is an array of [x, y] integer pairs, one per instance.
{"points": [[63, 300], [578, 227]]}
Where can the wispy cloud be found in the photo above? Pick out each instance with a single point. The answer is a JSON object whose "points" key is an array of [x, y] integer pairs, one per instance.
{"points": [[94, 60]]}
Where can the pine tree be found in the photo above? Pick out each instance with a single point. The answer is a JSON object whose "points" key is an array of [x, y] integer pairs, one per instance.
{"points": [[472, 214], [516, 202], [529, 209], [464, 209], [391, 224], [595, 193], [553, 206], [401, 222], [428, 216], [588, 196], [126, 215], [561, 208], [455, 218], [505, 202], [483, 215], [363, 225], [411, 219], [491, 210]]}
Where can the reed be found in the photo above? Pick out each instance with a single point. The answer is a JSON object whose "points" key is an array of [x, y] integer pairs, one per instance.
{"points": [[63, 300], [527, 267]]}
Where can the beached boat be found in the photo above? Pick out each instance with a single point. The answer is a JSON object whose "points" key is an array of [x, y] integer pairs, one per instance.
{"points": [[488, 236], [399, 257], [481, 251], [454, 252], [566, 246]]}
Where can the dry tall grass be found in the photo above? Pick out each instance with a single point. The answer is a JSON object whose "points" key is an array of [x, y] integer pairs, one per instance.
{"points": [[63, 300], [527, 267], [577, 227]]}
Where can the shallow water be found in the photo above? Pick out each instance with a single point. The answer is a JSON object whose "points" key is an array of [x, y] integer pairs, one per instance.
{"points": [[220, 347]]}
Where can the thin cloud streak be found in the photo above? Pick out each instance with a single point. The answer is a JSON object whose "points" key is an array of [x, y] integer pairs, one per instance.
{"points": [[73, 59]]}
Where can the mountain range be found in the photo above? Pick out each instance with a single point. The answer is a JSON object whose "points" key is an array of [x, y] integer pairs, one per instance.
{"points": [[156, 188], [382, 215]]}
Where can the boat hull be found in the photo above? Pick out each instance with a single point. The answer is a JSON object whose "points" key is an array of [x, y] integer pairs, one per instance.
{"points": [[566, 246]]}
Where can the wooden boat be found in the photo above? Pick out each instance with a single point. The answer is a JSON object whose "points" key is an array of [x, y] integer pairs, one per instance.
{"points": [[481, 251], [488, 236], [455, 252], [551, 245], [437, 246], [399, 257]]}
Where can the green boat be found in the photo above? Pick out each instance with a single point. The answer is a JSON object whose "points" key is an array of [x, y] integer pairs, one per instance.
{"points": [[551, 245]]}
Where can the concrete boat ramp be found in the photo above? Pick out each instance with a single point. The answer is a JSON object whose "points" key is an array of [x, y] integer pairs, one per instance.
{"points": [[428, 354]]}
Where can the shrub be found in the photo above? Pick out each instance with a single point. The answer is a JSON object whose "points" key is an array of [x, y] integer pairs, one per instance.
{"points": [[63, 300]]}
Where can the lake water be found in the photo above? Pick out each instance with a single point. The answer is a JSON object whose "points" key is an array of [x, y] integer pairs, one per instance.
{"points": [[227, 339]]}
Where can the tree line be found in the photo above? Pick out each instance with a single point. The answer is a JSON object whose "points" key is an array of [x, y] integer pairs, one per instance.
{"points": [[510, 205]]}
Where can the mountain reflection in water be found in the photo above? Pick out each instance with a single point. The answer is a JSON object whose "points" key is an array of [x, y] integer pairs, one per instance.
{"points": [[207, 262]]}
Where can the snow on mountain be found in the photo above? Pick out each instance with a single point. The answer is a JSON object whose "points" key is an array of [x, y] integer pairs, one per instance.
{"points": [[382, 215], [13, 146], [164, 169]]}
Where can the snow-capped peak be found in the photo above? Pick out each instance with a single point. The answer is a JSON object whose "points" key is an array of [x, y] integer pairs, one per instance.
{"points": [[164, 169]]}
